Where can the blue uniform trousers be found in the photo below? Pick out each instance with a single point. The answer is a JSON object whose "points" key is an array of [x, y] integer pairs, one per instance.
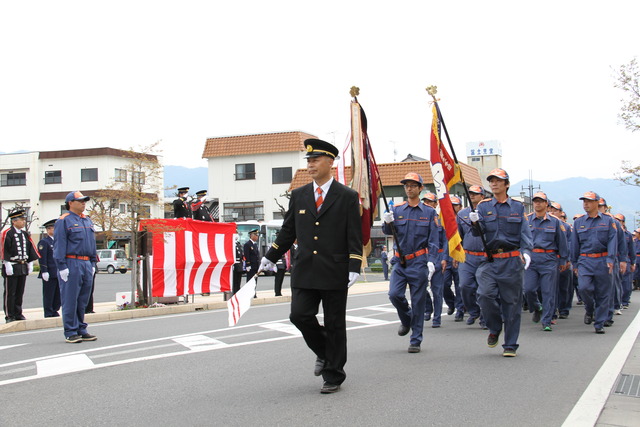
{"points": [[542, 276], [437, 290], [500, 286], [452, 297], [385, 270], [594, 284], [565, 291], [469, 284], [615, 299], [75, 294], [414, 275], [51, 297], [627, 286]]}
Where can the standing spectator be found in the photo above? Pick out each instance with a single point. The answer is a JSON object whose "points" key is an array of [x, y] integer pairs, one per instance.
{"points": [[18, 254], [180, 205], [384, 259], [238, 266], [500, 282], [75, 255], [324, 216], [252, 254], [49, 273]]}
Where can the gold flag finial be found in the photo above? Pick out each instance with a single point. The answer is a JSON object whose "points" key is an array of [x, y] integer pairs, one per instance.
{"points": [[355, 91], [432, 90]]}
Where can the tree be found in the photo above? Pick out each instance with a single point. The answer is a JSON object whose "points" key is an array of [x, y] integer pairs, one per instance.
{"points": [[628, 80], [136, 187]]}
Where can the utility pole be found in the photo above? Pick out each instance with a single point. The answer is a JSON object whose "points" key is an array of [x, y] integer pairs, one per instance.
{"points": [[528, 201]]}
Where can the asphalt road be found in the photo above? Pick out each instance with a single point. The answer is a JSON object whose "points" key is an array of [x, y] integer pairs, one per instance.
{"points": [[107, 285], [191, 369]]}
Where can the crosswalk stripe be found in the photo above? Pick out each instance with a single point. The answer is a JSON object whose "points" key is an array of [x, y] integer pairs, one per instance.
{"points": [[366, 320], [282, 327], [62, 365], [383, 309], [199, 342]]}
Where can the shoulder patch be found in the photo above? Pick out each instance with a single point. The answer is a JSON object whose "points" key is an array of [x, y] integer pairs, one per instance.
{"points": [[528, 214], [64, 215], [400, 204]]}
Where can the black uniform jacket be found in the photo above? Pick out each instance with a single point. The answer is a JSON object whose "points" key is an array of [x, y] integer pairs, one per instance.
{"points": [[329, 242]]}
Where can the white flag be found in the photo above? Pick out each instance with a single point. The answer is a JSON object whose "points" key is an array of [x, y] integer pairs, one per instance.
{"points": [[240, 303]]}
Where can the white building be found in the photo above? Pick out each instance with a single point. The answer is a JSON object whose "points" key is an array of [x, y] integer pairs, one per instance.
{"points": [[249, 173], [39, 181], [484, 156]]}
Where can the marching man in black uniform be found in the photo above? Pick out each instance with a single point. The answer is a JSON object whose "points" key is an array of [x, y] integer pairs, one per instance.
{"points": [[181, 208], [198, 208], [18, 254], [325, 218], [49, 273]]}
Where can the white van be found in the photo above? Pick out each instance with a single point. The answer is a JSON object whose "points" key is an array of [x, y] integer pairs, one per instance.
{"points": [[112, 260]]}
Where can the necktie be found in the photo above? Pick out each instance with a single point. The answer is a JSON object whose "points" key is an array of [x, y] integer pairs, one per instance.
{"points": [[319, 200]]}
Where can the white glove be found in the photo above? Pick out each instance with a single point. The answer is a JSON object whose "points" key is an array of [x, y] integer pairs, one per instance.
{"points": [[8, 268], [45, 277], [30, 267], [474, 217], [352, 278], [527, 260], [64, 274], [93, 271], [432, 269], [267, 265], [387, 217]]}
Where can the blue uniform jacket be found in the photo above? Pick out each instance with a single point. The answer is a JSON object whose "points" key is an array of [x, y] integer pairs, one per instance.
{"points": [[548, 233], [594, 235], [505, 225], [73, 235], [470, 241], [416, 228], [47, 263]]}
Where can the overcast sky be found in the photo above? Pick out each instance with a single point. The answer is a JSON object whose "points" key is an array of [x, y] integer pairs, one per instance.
{"points": [[537, 77]]}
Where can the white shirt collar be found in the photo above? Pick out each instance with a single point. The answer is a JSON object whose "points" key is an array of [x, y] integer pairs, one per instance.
{"points": [[325, 187]]}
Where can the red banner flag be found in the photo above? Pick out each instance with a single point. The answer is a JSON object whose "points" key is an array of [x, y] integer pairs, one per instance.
{"points": [[446, 173], [365, 178], [190, 257]]}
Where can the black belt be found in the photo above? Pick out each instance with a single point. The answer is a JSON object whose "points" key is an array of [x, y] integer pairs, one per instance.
{"points": [[19, 261], [502, 250]]}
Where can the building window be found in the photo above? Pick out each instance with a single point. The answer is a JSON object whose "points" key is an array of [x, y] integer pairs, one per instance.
{"points": [[13, 179], [89, 174], [52, 177], [121, 175], [278, 215], [122, 207], [145, 211], [245, 171], [281, 175], [475, 159], [138, 178], [63, 209], [234, 212]]}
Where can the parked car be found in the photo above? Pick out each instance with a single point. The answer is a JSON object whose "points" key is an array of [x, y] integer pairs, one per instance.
{"points": [[112, 260]]}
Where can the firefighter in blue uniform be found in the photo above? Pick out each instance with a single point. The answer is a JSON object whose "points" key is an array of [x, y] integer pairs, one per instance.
{"points": [[594, 246], [474, 255], [549, 257], [437, 280], [619, 268], [49, 273], [636, 274], [417, 234], [564, 297], [500, 282], [75, 254], [631, 267]]}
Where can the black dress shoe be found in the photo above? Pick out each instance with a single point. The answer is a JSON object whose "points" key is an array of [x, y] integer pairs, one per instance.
{"points": [[328, 388], [317, 370], [20, 317], [9, 319], [403, 330]]}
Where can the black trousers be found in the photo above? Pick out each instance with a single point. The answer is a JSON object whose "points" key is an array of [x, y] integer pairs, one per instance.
{"points": [[237, 280], [13, 293], [51, 297], [277, 283], [328, 342]]}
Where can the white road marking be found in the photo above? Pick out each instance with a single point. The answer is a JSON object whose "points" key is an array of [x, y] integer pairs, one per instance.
{"points": [[63, 365], [366, 320], [287, 328], [4, 347], [383, 309], [590, 404], [200, 342]]}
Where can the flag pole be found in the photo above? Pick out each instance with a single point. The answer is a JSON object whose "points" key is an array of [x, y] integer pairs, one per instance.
{"points": [[354, 92], [432, 90]]}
